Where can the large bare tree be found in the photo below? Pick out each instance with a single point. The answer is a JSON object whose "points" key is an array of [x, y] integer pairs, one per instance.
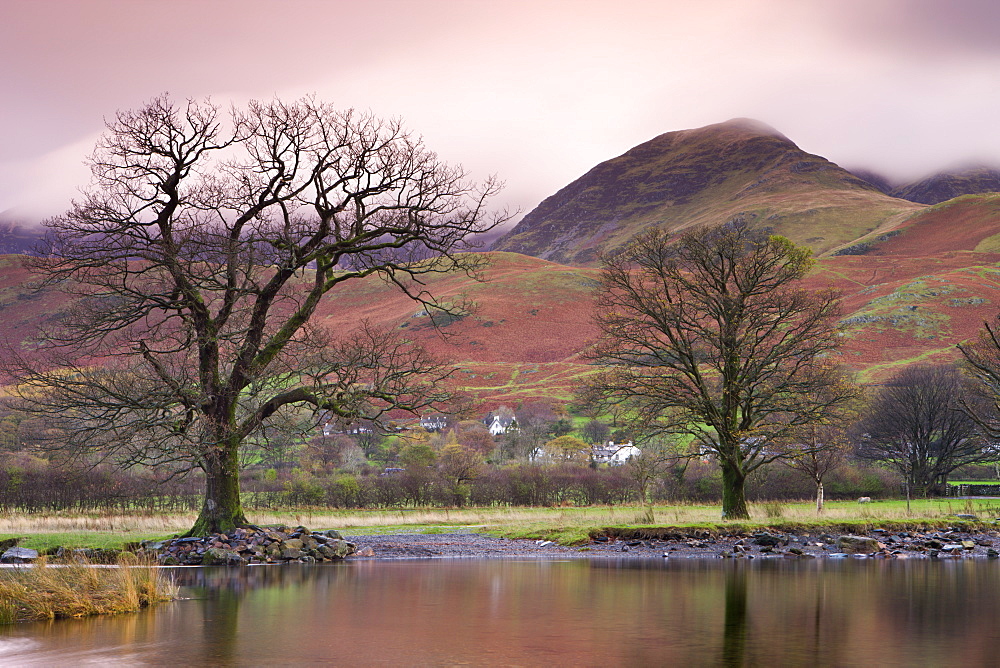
{"points": [[199, 255], [710, 334]]}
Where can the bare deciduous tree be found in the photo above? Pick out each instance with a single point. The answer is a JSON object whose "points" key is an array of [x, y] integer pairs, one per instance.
{"points": [[596, 431], [709, 334], [982, 362], [916, 424], [200, 254], [655, 458], [822, 445]]}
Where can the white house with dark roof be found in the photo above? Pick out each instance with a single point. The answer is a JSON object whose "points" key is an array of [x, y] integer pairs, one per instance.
{"points": [[614, 454], [434, 422], [498, 424]]}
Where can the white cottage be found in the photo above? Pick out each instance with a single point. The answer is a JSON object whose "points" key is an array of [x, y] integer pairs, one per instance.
{"points": [[615, 454]]}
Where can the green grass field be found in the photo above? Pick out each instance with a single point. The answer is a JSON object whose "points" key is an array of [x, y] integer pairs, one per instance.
{"points": [[569, 525]]}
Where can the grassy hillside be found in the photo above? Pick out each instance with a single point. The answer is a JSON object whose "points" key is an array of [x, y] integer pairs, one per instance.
{"points": [[912, 293], [532, 318], [522, 340]]}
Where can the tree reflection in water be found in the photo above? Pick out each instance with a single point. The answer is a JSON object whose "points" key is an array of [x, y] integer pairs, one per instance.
{"points": [[734, 634], [582, 612]]}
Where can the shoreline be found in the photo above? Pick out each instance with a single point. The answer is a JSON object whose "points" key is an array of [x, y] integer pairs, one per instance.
{"points": [[950, 543]]}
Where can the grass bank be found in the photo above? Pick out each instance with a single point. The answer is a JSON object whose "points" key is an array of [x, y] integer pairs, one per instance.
{"points": [[567, 525], [47, 591]]}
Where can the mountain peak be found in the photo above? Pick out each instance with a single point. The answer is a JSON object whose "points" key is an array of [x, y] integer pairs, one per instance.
{"points": [[732, 133], [741, 167], [747, 125]]}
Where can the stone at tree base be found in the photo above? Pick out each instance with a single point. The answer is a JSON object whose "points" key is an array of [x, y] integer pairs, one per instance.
{"points": [[18, 555], [857, 545], [251, 544], [341, 548], [217, 556]]}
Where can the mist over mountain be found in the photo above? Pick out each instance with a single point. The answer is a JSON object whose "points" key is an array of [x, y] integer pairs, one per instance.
{"points": [[881, 182], [947, 185], [18, 233]]}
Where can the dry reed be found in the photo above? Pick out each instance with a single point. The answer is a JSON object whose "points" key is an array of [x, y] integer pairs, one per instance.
{"points": [[78, 589]]}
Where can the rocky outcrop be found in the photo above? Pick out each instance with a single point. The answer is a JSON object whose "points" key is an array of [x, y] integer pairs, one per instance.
{"points": [[252, 545]]}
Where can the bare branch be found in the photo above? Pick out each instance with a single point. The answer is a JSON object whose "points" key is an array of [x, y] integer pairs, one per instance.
{"points": [[199, 256], [707, 334]]}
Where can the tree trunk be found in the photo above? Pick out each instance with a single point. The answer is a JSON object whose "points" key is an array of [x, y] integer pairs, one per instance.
{"points": [[819, 496], [734, 500], [222, 510]]}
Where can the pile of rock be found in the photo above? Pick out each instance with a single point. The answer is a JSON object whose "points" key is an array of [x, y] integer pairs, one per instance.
{"points": [[18, 555], [881, 543], [949, 543], [251, 545]]}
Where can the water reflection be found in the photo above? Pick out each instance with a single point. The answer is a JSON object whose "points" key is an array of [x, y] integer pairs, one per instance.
{"points": [[601, 612], [734, 630]]}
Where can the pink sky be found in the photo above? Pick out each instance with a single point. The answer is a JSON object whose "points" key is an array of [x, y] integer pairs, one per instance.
{"points": [[536, 91]]}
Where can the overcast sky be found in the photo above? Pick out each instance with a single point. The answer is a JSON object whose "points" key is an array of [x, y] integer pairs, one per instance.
{"points": [[536, 91]]}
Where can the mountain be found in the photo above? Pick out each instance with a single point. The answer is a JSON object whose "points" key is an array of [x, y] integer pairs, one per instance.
{"points": [[911, 293], [18, 237], [943, 186], [881, 183], [915, 279], [522, 341], [740, 168]]}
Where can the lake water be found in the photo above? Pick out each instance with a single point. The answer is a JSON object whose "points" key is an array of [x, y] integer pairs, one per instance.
{"points": [[601, 612]]}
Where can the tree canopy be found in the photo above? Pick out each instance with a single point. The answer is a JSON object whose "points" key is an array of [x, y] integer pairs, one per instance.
{"points": [[916, 423], [710, 334], [199, 255]]}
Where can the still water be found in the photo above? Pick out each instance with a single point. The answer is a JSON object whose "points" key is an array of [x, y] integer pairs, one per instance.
{"points": [[548, 613]]}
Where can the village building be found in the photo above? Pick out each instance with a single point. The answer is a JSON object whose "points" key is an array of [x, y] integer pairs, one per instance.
{"points": [[614, 454], [434, 422], [499, 424]]}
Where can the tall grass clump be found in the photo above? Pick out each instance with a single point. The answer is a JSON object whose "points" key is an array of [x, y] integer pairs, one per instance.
{"points": [[774, 509], [79, 589], [646, 517]]}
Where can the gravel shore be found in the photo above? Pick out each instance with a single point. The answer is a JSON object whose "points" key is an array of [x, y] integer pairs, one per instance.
{"points": [[944, 544]]}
